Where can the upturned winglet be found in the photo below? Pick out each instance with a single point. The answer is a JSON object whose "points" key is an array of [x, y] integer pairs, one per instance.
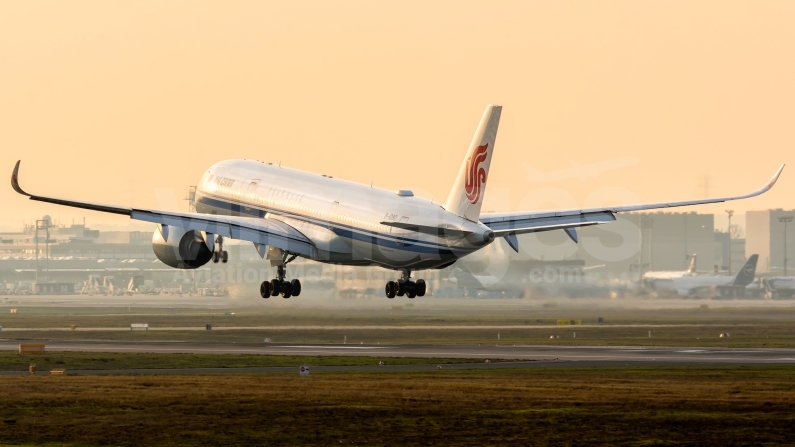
{"points": [[763, 189], [15, 180], [775, 177]]}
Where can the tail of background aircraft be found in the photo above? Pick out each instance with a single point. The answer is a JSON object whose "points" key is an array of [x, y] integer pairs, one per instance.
{"points": [[746, 274], [467, 194], [692, 268]]}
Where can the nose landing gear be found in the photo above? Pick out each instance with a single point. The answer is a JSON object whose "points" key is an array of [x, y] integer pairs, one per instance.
{"points": [[405, 286], [281, 286]]}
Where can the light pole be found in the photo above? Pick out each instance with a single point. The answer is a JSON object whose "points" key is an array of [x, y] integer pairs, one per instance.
{"points": [[43, 224], [785, 220], [730, 213]]}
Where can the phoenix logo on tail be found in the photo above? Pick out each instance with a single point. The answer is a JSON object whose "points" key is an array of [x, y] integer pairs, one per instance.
{"points": [[476, 176]]}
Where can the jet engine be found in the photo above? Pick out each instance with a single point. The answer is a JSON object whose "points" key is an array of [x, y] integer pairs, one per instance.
{"points": [[181, 248]]}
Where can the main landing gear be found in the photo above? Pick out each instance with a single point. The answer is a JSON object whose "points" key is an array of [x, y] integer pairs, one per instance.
{"points": [[220, 254], [405, 286], [280, 285]]}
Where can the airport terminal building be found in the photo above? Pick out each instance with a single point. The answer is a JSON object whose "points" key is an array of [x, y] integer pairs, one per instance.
{"points": [[768, 233]]}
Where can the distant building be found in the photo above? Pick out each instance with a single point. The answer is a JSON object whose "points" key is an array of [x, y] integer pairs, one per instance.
{"points": [[75, 241], [765, 237], [738, 253], [635, 242], [669, 239], [722, 252], [729, 254], [66, 288]]}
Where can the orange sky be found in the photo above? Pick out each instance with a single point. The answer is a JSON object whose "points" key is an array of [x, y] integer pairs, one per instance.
{"points": [[115, 101]]}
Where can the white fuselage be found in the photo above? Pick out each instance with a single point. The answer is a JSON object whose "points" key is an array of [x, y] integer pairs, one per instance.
{"points": [[688, 285], [653, 276], [662, 280], [342, 219]]}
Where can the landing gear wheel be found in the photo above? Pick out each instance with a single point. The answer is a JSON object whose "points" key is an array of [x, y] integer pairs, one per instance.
{"points": [[295, 285], [219, 254], [287, 289], [265, 289], [275, 287], [390, 289], [280, 285], [411, 289], [400, 288], [420, 288]]}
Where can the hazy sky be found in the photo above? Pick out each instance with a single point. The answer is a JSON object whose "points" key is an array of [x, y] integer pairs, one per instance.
{"points": [[120, 101]]}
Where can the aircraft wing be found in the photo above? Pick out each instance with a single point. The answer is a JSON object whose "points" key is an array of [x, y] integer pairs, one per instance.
{"points": [[260, 231], [506, 224]]}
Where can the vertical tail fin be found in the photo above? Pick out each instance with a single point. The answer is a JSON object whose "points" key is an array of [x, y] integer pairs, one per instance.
{"points": [[746, 274], [692, 267], [466, 197]]}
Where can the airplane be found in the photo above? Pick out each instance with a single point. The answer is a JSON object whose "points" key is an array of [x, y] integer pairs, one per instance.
{"points": [[779, 286], [650, 277], [578, 170], [289, 213], [690, 285]]}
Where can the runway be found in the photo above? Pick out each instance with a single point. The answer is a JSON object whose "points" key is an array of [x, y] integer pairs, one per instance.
{"points": [[530, 356], [424, 327]]}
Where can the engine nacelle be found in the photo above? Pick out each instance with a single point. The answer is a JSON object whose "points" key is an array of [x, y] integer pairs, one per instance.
{"points": [[180, 248]]}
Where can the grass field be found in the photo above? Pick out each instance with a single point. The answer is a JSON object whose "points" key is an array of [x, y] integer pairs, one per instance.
{"points": [[623, 406], [10, 361]]}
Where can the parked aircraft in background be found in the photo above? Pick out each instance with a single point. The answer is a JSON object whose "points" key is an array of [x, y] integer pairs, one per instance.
{"points": [[781, 286], [288, 213], [693, 285], [650, 277]]}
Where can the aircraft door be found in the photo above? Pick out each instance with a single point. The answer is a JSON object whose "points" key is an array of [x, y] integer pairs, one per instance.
{"points": [[249, 195]]}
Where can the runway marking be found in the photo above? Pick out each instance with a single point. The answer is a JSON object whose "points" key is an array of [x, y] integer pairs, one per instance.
{"points": [[332, 347]]}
